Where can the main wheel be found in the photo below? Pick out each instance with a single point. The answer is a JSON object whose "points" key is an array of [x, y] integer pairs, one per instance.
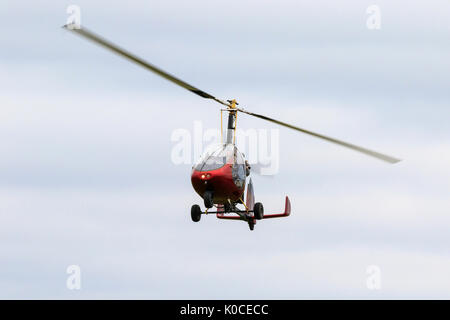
{"points": [[258, 211], [196, 213], [251, 225], [208, 199]]}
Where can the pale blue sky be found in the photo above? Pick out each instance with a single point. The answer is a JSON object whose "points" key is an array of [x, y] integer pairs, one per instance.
{"points": [[85, 170]]}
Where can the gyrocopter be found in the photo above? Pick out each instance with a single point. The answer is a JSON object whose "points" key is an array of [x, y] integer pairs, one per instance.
{"points": [[219, 177]]}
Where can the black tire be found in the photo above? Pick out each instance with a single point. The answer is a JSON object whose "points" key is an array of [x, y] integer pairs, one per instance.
{"points": [[258, 211], [208, 199], [196, 213], [227, 207], [251, 225]]}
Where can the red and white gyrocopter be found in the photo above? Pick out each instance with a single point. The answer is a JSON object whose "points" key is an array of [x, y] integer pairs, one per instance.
{"points": [[219, 177]]}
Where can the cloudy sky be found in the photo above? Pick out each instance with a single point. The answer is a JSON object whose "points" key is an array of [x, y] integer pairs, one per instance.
{"points": [[86, 176]]}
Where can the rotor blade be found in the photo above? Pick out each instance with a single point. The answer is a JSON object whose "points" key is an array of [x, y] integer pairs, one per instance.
{"points": [[122, 52], [82, 31], [336, 141]]}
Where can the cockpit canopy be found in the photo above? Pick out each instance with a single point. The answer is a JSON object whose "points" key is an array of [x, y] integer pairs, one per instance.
{"points": [[217, 156]]}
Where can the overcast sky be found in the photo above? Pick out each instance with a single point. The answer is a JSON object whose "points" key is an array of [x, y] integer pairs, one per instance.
{"points": [[86, 176]]}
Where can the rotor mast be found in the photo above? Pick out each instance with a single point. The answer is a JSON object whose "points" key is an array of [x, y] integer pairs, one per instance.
{"points": [[231, 128]]}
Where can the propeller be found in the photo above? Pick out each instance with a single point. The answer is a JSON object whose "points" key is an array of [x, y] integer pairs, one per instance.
{"points": [[83, 32]]}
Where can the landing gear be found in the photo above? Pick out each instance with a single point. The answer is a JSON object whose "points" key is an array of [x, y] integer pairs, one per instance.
{"points": [[250, 214], [258, 211], [196, 213], [227, 207], [208, 199]]}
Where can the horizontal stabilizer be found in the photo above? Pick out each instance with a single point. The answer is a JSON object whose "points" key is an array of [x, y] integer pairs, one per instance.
{"points": [[287, 211]]}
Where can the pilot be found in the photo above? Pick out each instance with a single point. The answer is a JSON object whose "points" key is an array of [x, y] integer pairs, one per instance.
{"points": [[247, 168]]}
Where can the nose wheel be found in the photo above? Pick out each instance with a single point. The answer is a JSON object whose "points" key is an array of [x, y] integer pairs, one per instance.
{"points": [[208, 199]]}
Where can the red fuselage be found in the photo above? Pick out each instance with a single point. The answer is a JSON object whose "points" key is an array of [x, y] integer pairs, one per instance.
{"points": [[220, 181]]}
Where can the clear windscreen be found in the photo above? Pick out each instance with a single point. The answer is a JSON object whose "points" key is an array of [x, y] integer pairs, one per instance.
{"points": [[215, 158]]}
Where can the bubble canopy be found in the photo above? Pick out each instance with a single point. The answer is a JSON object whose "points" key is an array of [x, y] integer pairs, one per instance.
{"points": [[217, 156]]}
